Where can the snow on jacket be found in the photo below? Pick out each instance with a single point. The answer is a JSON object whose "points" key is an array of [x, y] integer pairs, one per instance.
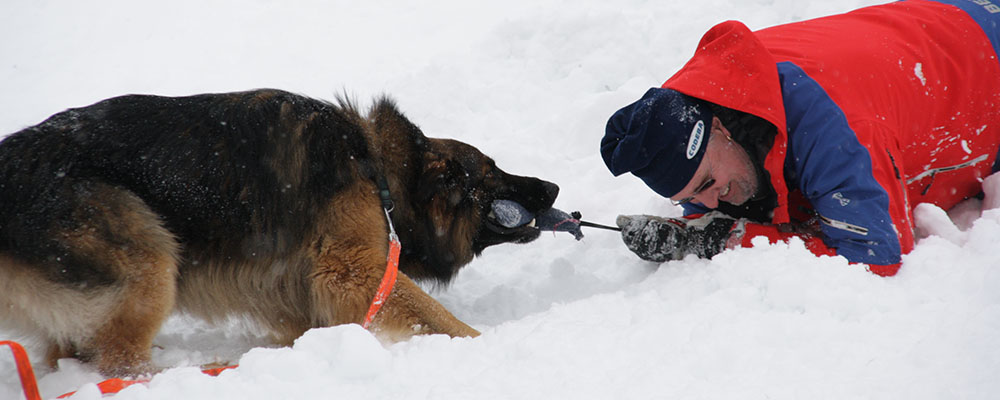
{"points": [[877, 110]]}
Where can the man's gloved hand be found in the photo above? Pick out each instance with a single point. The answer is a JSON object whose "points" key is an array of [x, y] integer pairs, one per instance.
{"points": [[661, 239]]}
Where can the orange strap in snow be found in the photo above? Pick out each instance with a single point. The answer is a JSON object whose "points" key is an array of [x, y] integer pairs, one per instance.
{"points": [[110, 386], [115, 385], [24, 370]]}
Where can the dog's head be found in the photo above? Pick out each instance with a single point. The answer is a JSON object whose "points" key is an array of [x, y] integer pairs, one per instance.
{"points": [[449, 188], [461, 184]]}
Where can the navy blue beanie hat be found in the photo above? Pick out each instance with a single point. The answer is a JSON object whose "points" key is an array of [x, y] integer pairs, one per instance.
{"points": [[661, 138]]}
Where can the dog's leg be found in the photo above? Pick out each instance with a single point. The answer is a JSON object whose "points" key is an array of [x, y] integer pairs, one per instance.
{"points": [[117, 240], [348, 269], [343, 289], [409, 310], [123, 344], [57, 351]]}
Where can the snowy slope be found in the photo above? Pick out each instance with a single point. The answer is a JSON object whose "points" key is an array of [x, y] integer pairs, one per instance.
{"points": [[530, 83]]}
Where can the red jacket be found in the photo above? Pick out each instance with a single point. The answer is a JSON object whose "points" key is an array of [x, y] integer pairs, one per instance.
{"points": [[876, 110]]}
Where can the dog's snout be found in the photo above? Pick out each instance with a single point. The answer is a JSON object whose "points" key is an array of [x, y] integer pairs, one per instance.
{"points": [[551, 189], [533, 193]]}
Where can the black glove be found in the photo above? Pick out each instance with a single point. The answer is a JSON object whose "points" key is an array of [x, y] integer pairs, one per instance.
{"points": [[660, 239]]}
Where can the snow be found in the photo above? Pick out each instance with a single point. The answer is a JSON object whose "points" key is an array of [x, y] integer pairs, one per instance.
{"points": [[530, 83]]}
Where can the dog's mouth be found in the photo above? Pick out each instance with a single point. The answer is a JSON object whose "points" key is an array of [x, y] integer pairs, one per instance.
{"points": [[498, 228], [510, 216], [518, 225]]}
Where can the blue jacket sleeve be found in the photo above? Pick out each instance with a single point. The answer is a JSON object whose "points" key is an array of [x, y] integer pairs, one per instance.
{"points": [[834, 171]]}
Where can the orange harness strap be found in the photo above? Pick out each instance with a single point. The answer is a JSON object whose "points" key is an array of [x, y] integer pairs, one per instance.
{"points": [[388, 278]]}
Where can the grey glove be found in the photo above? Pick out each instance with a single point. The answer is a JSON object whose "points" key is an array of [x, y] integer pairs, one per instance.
{"points": [[660, 239]]}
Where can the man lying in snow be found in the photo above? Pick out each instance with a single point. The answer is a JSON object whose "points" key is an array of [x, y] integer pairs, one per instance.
{"points": [[831, 129]]}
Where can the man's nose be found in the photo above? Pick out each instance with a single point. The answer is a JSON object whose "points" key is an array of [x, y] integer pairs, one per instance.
{"points": [[708, 198]]}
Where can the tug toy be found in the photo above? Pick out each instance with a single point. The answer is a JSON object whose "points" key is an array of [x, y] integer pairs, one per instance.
{"points": [[511, 214]]}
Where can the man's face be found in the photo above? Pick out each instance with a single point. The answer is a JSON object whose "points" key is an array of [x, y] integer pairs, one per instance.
{"points": [[725, 174]]}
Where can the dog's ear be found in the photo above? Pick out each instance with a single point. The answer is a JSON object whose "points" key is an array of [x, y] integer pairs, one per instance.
{"points": [[388, 120]]}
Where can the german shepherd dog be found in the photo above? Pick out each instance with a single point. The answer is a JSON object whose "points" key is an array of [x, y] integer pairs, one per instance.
{"points": [[261, 204]]}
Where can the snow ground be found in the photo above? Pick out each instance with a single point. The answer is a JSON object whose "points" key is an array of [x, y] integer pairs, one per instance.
{"points": [[531, 83]]}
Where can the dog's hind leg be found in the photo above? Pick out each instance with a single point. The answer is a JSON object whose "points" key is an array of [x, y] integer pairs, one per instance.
{"points": [[125, 263], [143, 256]]}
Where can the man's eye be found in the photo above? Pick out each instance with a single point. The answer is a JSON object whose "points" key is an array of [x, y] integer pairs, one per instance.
{"points": [[705, 186]]}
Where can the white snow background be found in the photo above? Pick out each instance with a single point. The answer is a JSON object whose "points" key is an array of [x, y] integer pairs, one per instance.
{"points": [[531, 83]]}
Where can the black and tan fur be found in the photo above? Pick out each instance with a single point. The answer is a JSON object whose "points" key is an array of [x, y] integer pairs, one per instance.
{"points": [[260, 204]]}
